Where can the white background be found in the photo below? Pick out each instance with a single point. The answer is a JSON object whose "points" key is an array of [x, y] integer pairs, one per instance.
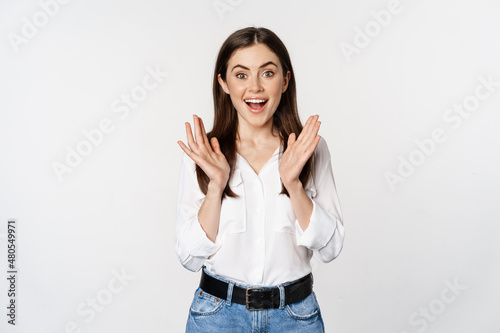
{"points": [[404, 245]]}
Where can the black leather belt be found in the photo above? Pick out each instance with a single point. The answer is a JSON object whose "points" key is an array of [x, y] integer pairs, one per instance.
{"points": [[258, 298]]}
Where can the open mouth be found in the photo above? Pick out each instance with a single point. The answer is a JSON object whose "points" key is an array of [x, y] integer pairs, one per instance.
{"points": [[256, 105]]}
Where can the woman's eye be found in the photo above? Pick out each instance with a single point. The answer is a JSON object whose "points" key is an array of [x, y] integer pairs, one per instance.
{"points": [[240, 76], [268, 73]]}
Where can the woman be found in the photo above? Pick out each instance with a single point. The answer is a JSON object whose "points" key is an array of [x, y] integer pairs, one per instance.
{"points": [[256, 201]]}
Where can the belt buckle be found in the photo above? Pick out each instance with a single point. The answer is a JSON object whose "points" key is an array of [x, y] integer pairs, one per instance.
{"points": [[247, 301]]}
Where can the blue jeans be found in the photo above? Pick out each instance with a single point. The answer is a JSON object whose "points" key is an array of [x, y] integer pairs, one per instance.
{"points": [[211, 314]]}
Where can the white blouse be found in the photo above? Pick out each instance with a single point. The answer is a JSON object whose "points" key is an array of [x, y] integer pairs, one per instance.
{"points": [[259, 241]]}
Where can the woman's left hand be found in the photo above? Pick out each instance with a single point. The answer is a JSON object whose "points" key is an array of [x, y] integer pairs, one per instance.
{"points": [[299, 151]]}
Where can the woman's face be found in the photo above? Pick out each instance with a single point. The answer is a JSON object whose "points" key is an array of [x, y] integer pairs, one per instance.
{"points": [[255, 82]]}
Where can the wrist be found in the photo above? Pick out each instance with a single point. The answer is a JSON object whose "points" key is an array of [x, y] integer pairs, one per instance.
{"points": [[214, 189], [293, 186]]}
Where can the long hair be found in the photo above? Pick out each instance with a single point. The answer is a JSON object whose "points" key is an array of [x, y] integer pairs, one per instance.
{"points": [[286, 118]]}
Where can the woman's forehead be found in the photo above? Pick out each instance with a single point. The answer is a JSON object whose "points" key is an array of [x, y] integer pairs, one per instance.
{"points": [[253, 57]]}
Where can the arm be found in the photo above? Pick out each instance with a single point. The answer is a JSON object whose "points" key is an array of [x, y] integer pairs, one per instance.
{"points": [[301, 204], [324, 233], [198, 215], [192, 244], [209, 214]]}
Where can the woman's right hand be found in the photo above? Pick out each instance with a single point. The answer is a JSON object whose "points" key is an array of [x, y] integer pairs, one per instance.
{"points": [[206, 154]]}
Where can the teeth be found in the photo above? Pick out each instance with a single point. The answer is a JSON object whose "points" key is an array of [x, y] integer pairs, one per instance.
{"points": [[255, 100]]}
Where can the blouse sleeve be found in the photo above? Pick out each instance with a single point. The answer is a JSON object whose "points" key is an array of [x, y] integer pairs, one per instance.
{"points": [[325, 233], [192, 245]]}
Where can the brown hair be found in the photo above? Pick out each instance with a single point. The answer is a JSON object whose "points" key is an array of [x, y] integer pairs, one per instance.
{"points": [[286, 118]]}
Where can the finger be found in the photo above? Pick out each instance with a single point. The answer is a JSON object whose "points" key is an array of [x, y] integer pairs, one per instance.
{"points": [[311, 125], [306, 128], [313, 134], [185, 148], [313, 130], [204, 134], [308, 143], [291, 139], [197, 130], [189, 135], [216, 146], [311, 147], [191, 154], [316, 141]]}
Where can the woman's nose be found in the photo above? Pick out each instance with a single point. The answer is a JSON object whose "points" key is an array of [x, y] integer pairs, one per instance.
{"points": [[255, 84]]}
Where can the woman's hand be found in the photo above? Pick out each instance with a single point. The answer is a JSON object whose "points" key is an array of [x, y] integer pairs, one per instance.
{"points": [[298, 152], [209, 157]]}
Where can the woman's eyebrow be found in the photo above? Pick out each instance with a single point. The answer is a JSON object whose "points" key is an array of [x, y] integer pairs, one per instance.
{"points": [[263, 65]]}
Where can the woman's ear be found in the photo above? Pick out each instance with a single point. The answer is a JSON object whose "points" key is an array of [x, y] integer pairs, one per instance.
{"points": [[286, 80], [223, 84]]}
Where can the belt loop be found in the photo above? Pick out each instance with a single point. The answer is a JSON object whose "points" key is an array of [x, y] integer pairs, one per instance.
{"points": [[229, 293], [282, 296]]}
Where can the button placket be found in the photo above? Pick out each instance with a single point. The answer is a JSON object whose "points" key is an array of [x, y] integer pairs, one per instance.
{"points": [[260, 220]]}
